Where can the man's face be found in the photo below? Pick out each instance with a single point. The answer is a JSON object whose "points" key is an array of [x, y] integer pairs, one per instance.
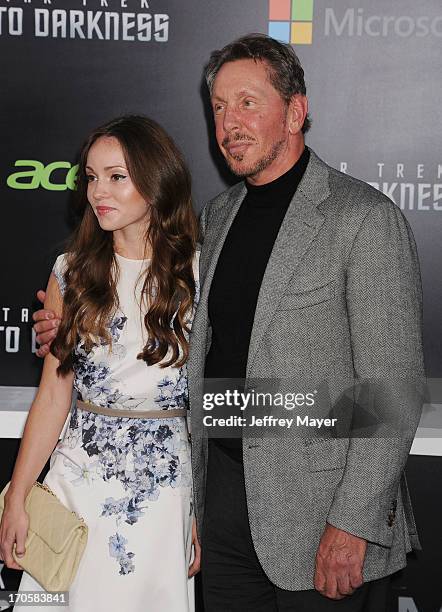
{"points": [[250, 120]]}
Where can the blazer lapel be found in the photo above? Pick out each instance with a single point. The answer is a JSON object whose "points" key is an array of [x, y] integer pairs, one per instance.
{"points": [[220, 224], [299, 228]]}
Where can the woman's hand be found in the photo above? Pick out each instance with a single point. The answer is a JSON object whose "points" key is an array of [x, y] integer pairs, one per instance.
{"points": [[195, 566], [13, 529]]}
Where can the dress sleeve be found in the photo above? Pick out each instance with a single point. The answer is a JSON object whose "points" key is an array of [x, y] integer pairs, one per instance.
{"points": [[59, 270]]}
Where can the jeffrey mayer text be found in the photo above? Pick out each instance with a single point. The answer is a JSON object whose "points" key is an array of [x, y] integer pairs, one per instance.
{"points": [[268, 421]]}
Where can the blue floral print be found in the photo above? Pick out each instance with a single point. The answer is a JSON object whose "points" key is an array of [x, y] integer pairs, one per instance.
{"points": [[117, 549], [140, 456]]}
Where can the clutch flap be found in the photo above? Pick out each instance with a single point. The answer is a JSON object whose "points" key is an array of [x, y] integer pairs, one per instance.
{"points": [[50, 519]]}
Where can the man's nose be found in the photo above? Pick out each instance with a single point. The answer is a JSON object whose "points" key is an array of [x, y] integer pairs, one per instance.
{"points": [[231, 119]]}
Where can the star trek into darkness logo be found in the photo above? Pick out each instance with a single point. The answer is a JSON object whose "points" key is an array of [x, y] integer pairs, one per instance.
{"points": [[51, 19]]}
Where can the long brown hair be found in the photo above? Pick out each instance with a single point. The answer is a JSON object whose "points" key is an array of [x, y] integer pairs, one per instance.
{"points": [[160, 175]]}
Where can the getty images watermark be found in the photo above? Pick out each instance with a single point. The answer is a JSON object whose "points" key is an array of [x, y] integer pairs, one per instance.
{"points": [[239, 403], [368, 408]]}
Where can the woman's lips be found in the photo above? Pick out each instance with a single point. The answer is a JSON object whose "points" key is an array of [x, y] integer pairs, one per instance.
{"points": [[104, 210]]}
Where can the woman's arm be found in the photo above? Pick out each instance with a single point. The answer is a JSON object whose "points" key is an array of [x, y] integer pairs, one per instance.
{"points": [[45, 421]]}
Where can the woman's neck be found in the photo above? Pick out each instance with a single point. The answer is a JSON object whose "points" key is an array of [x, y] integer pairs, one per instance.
{"points": [[131, 247]]}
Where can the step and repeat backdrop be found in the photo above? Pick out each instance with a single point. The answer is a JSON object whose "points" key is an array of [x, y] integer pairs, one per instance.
{"points": [[373, 77]]}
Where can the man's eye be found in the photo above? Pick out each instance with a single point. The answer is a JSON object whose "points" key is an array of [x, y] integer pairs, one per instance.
{"points": [[118, 177], [218, 108], [248, 103]]}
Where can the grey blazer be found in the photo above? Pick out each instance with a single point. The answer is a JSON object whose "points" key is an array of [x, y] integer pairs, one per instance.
{"points": [[340, 304]]}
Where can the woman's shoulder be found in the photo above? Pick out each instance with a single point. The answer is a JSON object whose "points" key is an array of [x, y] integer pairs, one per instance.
{"points": [[59, 270]]}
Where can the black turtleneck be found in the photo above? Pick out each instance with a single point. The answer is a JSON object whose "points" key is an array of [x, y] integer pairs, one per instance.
{"points": [[239, 272]]}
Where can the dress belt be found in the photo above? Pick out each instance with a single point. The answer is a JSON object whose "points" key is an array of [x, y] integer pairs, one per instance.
{"points": [[135, 414]]}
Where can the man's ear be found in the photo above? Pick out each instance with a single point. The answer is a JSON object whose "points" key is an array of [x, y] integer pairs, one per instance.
{"points": [[298, 109]]}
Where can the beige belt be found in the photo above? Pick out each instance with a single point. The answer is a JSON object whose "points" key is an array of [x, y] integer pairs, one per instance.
{"points": [[135, 414]]}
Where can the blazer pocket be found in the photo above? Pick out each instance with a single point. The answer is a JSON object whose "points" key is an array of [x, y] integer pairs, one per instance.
{"points": [[317, 295]]}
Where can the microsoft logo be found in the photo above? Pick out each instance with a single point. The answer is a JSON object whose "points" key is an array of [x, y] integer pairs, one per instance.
{"points": [[291, 21]]}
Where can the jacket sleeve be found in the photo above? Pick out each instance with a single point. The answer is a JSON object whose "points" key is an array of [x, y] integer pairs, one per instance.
{"points": [[384, 303]]}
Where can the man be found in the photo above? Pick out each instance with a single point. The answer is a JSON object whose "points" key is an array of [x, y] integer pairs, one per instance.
{"points": [[307, 275]]}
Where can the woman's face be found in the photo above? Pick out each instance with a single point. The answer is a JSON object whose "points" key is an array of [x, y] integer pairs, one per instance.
{"points": [[111, 192]]}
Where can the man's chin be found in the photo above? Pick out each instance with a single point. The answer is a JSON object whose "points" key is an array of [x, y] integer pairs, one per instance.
{"points": [[239, 169]]}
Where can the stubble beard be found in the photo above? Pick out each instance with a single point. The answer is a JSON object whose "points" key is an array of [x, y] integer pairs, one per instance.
{"points": [[258, 166]]}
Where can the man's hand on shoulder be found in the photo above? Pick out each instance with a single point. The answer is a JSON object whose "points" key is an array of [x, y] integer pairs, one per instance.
{"points": [[46, 326], [339, 563]]}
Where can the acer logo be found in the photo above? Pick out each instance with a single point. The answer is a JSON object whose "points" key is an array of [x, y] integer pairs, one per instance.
{"points": [[56, 176]]}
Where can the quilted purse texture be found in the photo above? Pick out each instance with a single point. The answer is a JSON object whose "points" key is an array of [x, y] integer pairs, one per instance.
{"points": [[55, 542]]}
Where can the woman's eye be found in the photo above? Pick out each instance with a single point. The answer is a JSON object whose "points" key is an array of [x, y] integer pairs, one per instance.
{"points": [[90, 178], [118, 177]]}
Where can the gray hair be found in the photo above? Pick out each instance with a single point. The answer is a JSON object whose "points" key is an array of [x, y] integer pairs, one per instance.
{"points": [[285, 70]]}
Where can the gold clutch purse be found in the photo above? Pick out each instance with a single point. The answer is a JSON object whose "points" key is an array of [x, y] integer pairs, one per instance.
{"points": [[55, 542]]}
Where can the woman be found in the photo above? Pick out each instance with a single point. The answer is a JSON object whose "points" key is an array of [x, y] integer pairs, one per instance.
{"points": [[127, 291]]}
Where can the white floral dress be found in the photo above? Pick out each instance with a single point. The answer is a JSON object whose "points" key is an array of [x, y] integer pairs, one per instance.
{"points": [[129, 478]]}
